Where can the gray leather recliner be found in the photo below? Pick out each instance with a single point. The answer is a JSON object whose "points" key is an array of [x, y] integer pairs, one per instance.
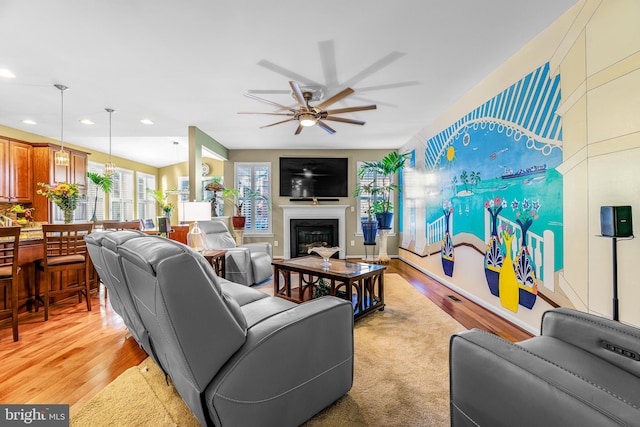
{"points": [[248, 264], [583, 370], [237, 356]]}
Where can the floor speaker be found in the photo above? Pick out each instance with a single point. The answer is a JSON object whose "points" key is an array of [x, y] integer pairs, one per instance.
{"points": [[615, 221]]}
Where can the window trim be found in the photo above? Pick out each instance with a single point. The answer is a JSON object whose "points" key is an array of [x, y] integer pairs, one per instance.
{"points": [[252, 165]]}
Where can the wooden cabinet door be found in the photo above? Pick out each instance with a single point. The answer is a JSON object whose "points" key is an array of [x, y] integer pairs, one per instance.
{"points": [[21, 179], [79, 166], [4, 171]]}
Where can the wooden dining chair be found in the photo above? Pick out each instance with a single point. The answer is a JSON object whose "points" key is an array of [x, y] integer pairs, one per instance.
{"points": [[9, 245], [121, 225], [64, 251]]}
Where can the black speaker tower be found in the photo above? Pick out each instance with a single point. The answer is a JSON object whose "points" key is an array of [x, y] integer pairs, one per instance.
{"points": [[615, 221]]}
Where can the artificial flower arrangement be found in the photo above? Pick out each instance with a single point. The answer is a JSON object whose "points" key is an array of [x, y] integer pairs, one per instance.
{"points": [[66, 196]]}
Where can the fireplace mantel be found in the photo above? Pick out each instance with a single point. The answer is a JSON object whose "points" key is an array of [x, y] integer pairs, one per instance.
{"points": [[314, 212]]}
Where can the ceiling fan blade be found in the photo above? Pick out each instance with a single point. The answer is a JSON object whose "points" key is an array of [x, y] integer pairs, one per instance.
{"points": [[343, 120], [269, 91], [276, 123], [335, 98], [328, 61], [300, 127], [299, 96], [388, 86], [270, 114], [326, 127], [351, 109], [379, 64], [287, 73], [266, 101]]}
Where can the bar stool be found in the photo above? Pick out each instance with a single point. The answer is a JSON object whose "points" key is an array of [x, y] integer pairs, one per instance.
{"points": [[9, 244], [64, 250]]}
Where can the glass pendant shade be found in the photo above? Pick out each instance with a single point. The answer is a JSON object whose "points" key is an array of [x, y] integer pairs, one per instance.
{"points": [[61, 158], [109, 169]]}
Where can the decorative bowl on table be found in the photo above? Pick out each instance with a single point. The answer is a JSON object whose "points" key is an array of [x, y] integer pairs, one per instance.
{"points": [[325, 253]]}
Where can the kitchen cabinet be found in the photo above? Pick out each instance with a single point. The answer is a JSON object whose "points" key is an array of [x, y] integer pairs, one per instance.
{"points": [[16, 176], [45, 170]]}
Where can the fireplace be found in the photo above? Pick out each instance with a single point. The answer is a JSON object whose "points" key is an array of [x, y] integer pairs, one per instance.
{"points": [[308, 233], [314, 213]]}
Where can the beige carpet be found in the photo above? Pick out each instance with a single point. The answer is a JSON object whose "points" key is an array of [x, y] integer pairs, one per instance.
{"points": [[401, 375]]}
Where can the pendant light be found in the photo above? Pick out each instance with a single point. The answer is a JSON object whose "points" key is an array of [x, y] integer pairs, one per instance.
{"points": [[109, 168], [61, 157]]}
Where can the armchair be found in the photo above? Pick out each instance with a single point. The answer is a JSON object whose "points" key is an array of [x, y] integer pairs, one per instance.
{"points": [[583, 370], [246, 264]]}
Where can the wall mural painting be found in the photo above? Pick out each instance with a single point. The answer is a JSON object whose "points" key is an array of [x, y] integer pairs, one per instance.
{"points": [[499, 188]]}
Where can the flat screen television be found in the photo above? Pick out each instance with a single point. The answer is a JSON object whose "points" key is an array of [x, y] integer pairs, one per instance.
{"points": [[314, 176]]}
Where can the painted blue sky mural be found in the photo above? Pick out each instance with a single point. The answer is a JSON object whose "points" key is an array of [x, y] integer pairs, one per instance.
{"points": [[509, 147]]}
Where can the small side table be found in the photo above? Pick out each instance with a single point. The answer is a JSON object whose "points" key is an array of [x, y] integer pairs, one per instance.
{"points": [[216, 258]]}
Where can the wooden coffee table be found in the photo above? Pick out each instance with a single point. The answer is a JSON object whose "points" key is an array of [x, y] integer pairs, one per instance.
{"points": [[360, 283]]}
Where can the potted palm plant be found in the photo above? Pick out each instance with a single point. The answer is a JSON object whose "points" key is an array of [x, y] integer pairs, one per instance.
{"points": [[385, 168], [104, 183], [233, 195], [369, 225]]}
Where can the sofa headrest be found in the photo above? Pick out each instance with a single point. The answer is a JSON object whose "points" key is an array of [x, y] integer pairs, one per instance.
{"points": [[111, 239], [147, 253]]}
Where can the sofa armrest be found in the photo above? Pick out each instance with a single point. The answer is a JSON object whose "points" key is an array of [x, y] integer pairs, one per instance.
{"points": [[498, 383], [607, 339], [301, 359], [259, 247]]}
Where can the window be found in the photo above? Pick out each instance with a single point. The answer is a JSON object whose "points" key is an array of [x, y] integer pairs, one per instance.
{"points": [[121, 197], [183, 188], [363, 200], [146, 203], [254, 178], [92, 191]]}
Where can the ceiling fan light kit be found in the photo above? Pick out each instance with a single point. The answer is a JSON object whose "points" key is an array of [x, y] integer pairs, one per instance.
{"points": [[309, 115]]}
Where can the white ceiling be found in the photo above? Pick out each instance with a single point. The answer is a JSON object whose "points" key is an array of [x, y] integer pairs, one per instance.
{"points": [[183, 63]]}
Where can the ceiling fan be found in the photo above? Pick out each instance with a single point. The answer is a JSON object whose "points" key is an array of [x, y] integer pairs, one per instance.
{"points": [[309, 115]]}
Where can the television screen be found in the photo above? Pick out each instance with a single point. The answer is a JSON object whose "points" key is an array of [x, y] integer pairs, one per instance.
{"points": [[314, 176]]}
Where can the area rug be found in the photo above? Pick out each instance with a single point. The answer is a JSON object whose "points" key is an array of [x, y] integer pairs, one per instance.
{"points": [[401, 375]]}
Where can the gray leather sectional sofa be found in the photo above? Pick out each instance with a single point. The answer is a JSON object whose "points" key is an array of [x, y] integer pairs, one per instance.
{"points": [[237, 356], [583, 370]]}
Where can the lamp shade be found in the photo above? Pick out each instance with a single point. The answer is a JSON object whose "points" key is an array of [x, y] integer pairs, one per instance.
{"points": [[195, 211]]}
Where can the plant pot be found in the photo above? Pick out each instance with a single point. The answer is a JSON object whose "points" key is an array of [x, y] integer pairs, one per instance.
{"points": [[369, 231], [384, 220], [238, 222]]}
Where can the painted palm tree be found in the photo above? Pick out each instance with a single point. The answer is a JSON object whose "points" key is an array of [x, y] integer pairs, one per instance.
{"points": [[475, 177], [103, 182], [464, 177]]}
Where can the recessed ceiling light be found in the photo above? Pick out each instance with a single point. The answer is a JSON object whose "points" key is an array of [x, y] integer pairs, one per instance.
{"points": [[29, 122], [87, 122], [146, 121], [7, 74]]}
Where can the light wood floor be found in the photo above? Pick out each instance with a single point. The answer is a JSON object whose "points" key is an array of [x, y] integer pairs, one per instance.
{"points": [[75, 354]]}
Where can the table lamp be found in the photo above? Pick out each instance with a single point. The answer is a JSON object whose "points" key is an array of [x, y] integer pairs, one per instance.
{"points": [[195, 211]]}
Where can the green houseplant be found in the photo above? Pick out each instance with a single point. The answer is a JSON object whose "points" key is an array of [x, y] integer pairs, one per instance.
{"points": [[385, 169], [161, 198], [102, 182], [233, 195], [369, 225]]}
